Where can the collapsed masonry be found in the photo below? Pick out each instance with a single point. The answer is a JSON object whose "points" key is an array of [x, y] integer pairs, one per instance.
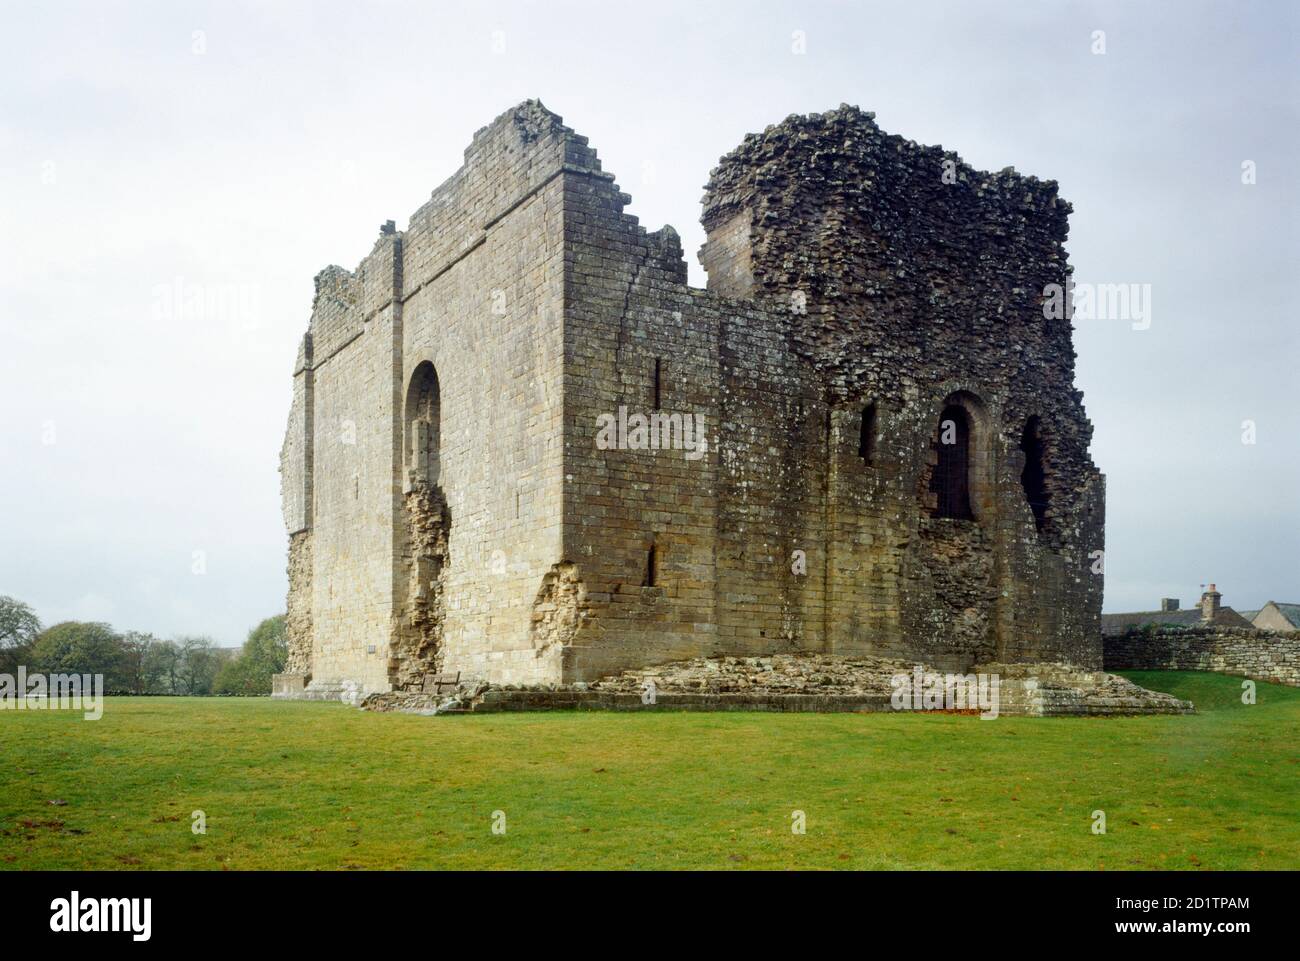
{"points": [[523, 450]]}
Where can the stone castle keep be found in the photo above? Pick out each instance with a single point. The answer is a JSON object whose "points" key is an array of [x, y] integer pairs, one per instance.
{"points": [[524, 450]]}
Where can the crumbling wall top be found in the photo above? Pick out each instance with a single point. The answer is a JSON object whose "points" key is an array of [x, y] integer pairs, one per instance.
{"points": [[871, 243], [814, 151]]}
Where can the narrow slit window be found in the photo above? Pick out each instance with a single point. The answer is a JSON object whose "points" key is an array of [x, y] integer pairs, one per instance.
{"points": [[651, 567], [658, 382], [867, 435]]}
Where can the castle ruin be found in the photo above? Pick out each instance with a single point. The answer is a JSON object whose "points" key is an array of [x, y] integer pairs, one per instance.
{"points": [[523, 449]]}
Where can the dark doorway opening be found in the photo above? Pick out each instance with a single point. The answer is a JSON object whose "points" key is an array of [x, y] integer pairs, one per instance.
{"points": [[951, 479]]}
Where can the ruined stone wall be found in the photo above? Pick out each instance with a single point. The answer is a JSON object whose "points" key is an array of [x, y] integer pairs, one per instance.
{"points": [[483, 303], [785, 537], [296, 499], [636, 346], [1261, 655], [843, 272], [296, 452], [775, 464], [298, 612], [398, 588], [352, 515], [907, 291]]}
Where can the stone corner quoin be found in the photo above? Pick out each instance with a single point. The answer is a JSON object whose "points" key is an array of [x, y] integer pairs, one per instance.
{"points": [[864, 437]]}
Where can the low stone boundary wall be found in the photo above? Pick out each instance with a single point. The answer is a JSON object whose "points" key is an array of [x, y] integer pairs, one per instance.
{"points": [[1259, 655]]}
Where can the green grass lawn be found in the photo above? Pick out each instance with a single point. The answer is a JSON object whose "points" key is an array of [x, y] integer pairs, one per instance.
{"points": [[310, 785]]}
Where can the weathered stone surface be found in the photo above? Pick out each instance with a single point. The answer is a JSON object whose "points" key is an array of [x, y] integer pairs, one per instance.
{"points": [[796, 683], [819, 674], [1260, 655], [288, 686], [298, 616], [426, 702], [452, 507], [1040, 690]]}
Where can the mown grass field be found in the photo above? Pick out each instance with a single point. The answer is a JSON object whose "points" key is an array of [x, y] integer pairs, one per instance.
{"points": [[323, 786]]}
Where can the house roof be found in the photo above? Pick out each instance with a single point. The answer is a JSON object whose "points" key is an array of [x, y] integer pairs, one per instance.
{"points": [[1249, 615], [1290, 611], [1191, 617]]}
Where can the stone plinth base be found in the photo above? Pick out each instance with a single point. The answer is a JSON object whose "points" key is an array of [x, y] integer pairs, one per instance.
{"points": [[812, 682], [1043, 690], [288, 686], [303, 687]]}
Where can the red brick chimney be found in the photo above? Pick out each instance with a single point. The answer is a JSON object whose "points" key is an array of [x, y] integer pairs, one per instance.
{"points": [[1210, 605]]}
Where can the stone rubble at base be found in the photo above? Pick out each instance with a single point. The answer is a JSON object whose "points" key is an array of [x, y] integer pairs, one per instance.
{"points": [[792, 683]]}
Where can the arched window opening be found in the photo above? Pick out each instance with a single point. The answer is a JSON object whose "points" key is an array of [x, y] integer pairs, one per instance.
{"points": [[423, 414], [951, 479], [867, 435], [1034, 477]]}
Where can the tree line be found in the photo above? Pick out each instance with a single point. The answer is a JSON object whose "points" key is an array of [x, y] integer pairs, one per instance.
{"points": [[135, 662]]}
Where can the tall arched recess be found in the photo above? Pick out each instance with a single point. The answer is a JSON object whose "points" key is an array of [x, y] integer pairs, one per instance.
{"points": [[417, 651], [423, 418], [951, 483]]}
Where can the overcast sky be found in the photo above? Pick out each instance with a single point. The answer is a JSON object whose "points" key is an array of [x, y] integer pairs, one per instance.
{"points": [[141, 435]]}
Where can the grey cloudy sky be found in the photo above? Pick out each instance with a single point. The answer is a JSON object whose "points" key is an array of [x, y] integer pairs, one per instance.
{"points": [[138, 430]]}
